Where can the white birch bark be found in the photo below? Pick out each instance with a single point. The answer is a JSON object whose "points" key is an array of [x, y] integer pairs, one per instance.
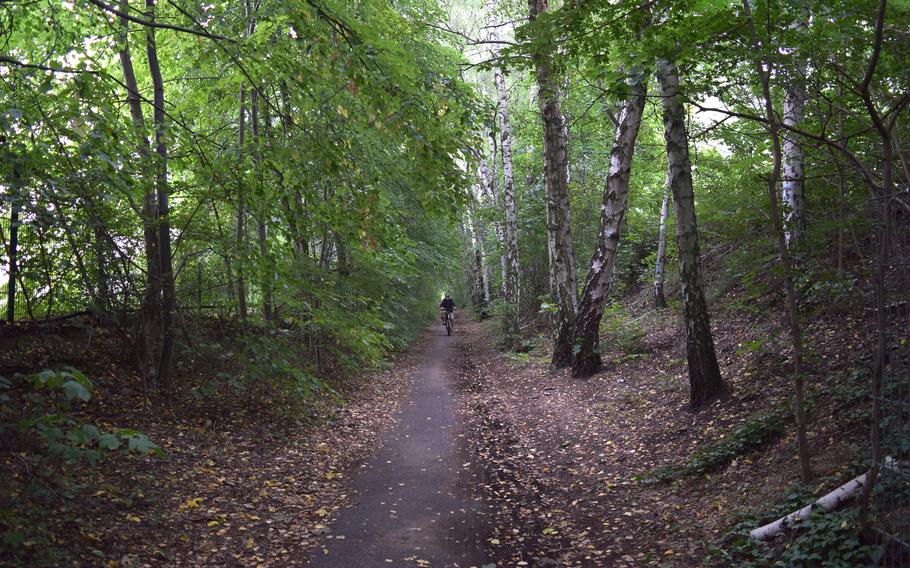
{"points": [[511, 265], [659, 267], [563, 284], [586, 330], [792, 195], [705, 382]]}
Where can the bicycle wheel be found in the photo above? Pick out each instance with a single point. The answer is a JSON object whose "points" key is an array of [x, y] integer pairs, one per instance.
{"points": [[449, 325]]}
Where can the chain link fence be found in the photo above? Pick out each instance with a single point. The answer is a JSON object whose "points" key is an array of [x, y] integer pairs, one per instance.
{"points": [[888, 515]]}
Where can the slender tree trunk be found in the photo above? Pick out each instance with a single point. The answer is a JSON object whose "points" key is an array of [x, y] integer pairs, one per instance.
{"points": [[480, 228], [660, 300], [586, 332], [705, 382], [841, 189], [102, 297], [240, 228], [14, 243], [511, 267], [169, 300], [151, 302], [786, 264], [792, 194], [496, 197], [486, 196], [265, 272], [563, 284]]}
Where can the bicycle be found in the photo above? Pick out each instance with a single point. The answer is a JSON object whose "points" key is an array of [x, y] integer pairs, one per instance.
{"points": [[449, 322]]}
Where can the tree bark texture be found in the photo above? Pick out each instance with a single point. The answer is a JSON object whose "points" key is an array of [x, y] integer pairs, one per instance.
{"points": [[786, 263], [563, 284], [705, 382], [169, 300], [14, 243], [511, 275], [240, 229], [265, 265], [150, 317], [792, 183], [586, 332], [660, 301]]}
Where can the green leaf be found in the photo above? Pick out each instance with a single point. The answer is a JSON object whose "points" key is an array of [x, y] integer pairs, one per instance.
{"points": [[73, 389], [108, 442]]}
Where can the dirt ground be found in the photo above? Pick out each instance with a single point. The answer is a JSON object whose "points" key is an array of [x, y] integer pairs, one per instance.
{"points": [[567, 460], [560, 466]]}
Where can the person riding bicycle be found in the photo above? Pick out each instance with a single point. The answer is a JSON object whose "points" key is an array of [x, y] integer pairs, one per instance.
{"points": [[448, 305]]}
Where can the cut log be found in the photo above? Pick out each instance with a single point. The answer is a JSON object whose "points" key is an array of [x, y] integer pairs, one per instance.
{"points": [[829, 502]]}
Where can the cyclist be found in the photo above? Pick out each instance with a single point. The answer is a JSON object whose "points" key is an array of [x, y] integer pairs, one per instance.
{"points": [[448, 305]]}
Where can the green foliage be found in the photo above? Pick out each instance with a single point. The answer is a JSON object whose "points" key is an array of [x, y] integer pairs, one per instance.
{"points": [[273, 358], [822, 539], [60, 434]]}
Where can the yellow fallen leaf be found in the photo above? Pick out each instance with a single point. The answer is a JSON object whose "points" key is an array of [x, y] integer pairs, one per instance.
{"points": [[133, 518], [193, 503], [249, 544], [494, 541], [213, 523], [322, 512]]}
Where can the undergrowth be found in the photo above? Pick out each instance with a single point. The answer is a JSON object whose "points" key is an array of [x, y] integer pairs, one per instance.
{"points": [[761, 430], [829, 540]]}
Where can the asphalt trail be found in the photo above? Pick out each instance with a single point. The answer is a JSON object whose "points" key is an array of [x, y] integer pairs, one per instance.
{"points": [[412, 507]]}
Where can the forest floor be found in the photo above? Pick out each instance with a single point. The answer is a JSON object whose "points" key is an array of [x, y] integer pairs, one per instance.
{"points": [[609, 471], [616, 470]]}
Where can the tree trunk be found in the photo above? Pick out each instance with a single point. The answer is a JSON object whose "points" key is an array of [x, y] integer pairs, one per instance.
{"points": [[563, 285], [476, 259], [151, 301], [495, 197], [660, 300], [511, 267], [793, 170], [14, 242], [240, 230], [586, 333], [169, 300], [705, 382], [265, 269], [786, 264]]}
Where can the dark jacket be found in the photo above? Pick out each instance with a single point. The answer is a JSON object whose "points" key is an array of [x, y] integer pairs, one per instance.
{"points": [[447, 304]]}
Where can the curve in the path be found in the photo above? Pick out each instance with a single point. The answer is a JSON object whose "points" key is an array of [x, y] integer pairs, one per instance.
{"points": [[411, 506]]}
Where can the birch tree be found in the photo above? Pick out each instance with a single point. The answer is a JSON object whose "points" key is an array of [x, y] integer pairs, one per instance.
{"points": [[586, 331], [795, 328], [511, 267], [705, 382], [792, 182], [563, 284], [660, 300]]}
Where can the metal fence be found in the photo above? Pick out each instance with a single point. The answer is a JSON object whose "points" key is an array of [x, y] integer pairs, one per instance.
{"points": [[889, 507]]}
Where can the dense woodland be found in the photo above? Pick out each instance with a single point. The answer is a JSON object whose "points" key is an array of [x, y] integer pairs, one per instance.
{"points": [[222, 221]]}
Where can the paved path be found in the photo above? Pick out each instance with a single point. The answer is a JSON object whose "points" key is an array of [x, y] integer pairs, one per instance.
{"points": [[411, 506]]}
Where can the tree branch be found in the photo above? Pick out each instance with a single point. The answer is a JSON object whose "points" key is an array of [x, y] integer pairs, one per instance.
{"points": [[203, 33]]}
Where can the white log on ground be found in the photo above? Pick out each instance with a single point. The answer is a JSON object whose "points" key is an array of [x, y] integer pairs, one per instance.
{"points": [[828, 503]]}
